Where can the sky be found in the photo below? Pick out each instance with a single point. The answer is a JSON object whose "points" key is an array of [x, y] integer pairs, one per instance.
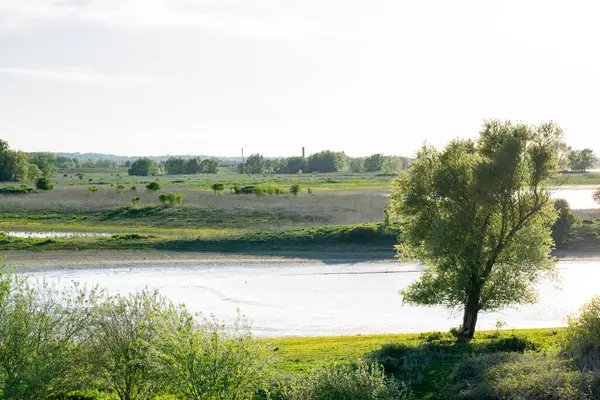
{"points": [[150, 77]]}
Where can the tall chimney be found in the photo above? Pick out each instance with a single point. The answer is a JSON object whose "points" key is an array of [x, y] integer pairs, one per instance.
{"points": [[302, 151]]}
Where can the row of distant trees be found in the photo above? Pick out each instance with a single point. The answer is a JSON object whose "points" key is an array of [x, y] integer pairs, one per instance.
{"points": [[19, 166], [146, 166], [323, 162]]}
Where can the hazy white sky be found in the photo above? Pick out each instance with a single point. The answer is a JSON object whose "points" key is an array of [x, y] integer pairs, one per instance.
{"points": [[211, 76]]}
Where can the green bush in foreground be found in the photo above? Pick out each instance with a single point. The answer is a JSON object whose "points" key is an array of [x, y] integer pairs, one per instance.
{"points": [[348, 382], [583, 335]]}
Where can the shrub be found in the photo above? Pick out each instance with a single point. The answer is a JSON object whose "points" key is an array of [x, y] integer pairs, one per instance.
{"points": [[44, 184], [309, 190], [218, 188], [529, 376], [171, 198], [153, 187], [11, 190], [235, 189], [596, 196], [134, 188], [562, 227], [136, 200], [295, 189], [93, 189], [349, 382], [583, 333], [357, 382], [247, 190], [208, 359]]}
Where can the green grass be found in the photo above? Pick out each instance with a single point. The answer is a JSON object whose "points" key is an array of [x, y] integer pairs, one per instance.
{"points": [[338, 180], [587, 178], [350, 240], [429, 359]]}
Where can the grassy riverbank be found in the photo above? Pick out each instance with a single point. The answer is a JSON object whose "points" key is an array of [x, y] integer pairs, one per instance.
{"points": [[371, 240], [427, 363], [366, 241]]}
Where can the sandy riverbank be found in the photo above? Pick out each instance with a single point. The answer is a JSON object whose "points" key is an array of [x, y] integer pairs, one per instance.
{"points": [[103, 259]]}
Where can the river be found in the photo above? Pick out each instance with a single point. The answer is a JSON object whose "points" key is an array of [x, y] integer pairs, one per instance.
{"points": [[318, 299]]}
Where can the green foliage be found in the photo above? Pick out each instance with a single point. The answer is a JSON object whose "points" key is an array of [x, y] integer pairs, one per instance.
{"points": [[172, 199], [527, 376], [349, 382], [144, 166], [295, 190], [12, 190], [387, 219], [41, 352], [596, 196], [478, 214], [291, 165], [583, 333], [208, 361], [327, 161], [218, 187], [374, 163], [13, 164], [153, 187], [357, 164], [45, 163], [135, 200], [582, 160], [562, 227], [44, 184], [125, 330], [93, 189], [134, 188], [236, 189], [33, 172], [309, 191], [255, 164]]}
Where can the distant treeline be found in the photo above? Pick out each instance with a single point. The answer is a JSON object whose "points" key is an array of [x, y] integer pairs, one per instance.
{"points": [[323, 162]]}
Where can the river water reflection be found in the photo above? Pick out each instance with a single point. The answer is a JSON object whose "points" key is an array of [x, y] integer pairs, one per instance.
{"points": [[317, 299]]}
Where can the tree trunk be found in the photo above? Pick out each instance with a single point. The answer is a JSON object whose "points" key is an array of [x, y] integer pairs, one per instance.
{"points": [[469, 321]]}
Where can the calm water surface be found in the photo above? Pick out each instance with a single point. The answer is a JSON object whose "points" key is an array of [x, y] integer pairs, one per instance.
{"points": [[316, 299]]}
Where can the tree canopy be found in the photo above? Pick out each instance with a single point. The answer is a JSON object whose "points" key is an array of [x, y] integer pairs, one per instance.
{"points": [[144, 166], [582, 160], [478, 214]]}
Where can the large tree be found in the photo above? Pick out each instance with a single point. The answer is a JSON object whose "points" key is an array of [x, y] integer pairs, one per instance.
{"points": [[143, 167], [13, 164], [582, 160], [45, 162], [478, 214]]}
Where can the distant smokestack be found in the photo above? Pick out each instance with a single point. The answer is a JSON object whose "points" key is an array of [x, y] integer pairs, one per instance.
{"points": [[302, 151], [242, 154]]}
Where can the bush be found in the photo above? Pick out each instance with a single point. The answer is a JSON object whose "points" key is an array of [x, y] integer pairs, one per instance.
{"points": [[136, 200], [235, 189], [171, 198], [11, 190], [295, 189], [583, 333], [207, 358], [562, 227], [153, 187], [134, 188], [529, 376], [247, 190], [596, 196], [218, 187], [93, 189], [357, 382], [44, 184]]}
